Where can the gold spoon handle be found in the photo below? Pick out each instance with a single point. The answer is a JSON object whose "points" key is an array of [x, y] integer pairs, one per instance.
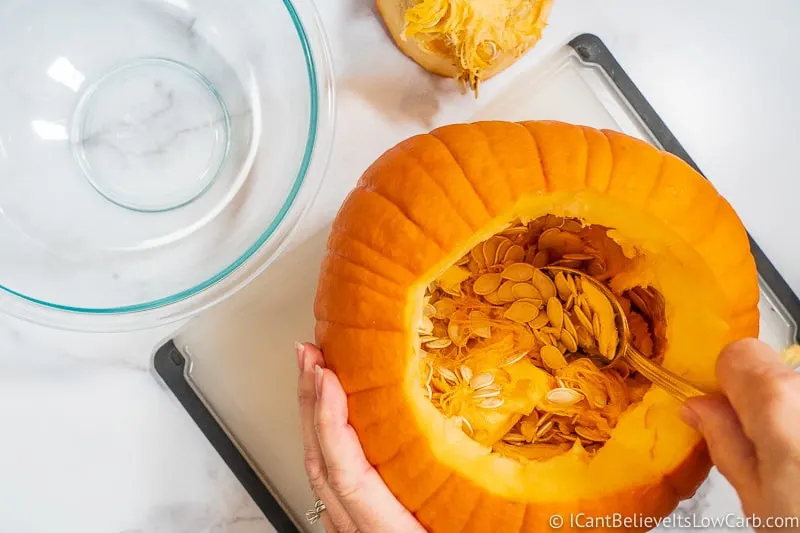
{"points": [[676, 386]]}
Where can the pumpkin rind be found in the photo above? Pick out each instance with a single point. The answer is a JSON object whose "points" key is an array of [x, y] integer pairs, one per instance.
{"points": [[418, 205]]}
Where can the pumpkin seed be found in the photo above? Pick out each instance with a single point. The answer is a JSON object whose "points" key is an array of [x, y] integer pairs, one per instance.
{"points": [[566, 263], [448, 374], [502, 248], [438, 344], [490, 391], [541, 259], [511, 359], [562, 287], [564, 396], [514, 438], [540, 321], [479, 381], [486, 284], [591, 434], [477, 255], [542, 337], [493, 298], [506, 292], [525, 290], [466, 373], [491, 403], [544, 428], [490, 249], [480, 324], [555, 313], [583, 320], [457, 333], [521, 312], [426, 325], [569, 342], [544, 285], [465, 424], [561, 241], [572, 226], [519, 272], [569, 326], [514, 254], [578, 257], [552, 357], [429, 310]]}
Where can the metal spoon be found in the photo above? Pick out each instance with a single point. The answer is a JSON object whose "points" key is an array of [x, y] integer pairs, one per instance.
{"points": [[673, 384]]}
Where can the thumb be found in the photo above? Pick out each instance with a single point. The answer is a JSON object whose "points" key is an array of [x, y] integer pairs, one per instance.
{"points": [[730, 449]]}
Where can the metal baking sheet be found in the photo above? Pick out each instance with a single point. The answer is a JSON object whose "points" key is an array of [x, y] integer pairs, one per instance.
{"points": [[234, 369]]}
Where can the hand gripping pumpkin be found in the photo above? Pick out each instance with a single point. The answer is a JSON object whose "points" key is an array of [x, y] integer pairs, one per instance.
{"points": [[472, 373]]}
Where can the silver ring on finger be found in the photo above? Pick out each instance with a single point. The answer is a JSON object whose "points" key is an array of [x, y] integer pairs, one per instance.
{"points": [[313, 515]]}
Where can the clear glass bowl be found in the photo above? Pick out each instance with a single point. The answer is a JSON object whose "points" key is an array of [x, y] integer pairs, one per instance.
{"points": [[155, 155]]}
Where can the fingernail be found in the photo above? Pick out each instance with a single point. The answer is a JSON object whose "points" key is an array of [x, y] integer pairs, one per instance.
{"points": [[318, 379], [689, 416], [300, 349]]}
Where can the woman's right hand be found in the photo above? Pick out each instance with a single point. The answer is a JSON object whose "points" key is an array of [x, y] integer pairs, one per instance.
{"points": [[753, 429]]}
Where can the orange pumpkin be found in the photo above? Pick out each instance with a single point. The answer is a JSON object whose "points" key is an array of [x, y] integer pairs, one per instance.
{"points": [[426, 203]]}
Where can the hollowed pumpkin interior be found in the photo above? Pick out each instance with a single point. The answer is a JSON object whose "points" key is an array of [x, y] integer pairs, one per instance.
{"points": [[505, 382], [523, 358]]}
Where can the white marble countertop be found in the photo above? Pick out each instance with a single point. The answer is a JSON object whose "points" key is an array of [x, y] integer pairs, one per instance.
{"points": [[91, 442]]}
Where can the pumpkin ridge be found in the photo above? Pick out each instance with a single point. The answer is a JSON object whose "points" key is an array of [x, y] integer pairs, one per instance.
{"points": [[586, 159], [364, 408], [539, 152], [499, 164], [341, 257], [361, 328], [464, 174], [383, 420], [444, 519], [353, 278], [413, 158], [656, 182], [623, 150], [713, 217], [379, 253], [396, 453], [359, 253], [350, 279], [424, 474], [401, 211], [590, 151], [470, 515], [434, 493]]}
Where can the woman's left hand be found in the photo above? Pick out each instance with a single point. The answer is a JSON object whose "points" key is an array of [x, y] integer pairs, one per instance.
{"points": [[355, 496]]}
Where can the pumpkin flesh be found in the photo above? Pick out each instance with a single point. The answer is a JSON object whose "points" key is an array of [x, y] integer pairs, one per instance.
{"points": [[421, 208]]}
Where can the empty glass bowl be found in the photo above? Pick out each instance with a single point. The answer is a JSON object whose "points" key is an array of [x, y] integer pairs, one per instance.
{"points": [[154, 154]]}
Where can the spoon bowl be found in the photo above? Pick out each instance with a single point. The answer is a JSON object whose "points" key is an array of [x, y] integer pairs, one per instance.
{"points": [[675, 385]]}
